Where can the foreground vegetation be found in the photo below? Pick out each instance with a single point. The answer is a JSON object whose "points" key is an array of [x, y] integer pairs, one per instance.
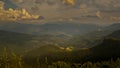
{"points": [[16, 61]]}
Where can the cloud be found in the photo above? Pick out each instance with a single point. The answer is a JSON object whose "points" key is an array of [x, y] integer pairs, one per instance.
{"points": [[99, 15], [70, 2], [12, 14], [70, 8]]}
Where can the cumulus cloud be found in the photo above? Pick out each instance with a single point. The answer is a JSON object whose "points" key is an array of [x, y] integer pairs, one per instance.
{"points": [[70, 8], [70, 2]]}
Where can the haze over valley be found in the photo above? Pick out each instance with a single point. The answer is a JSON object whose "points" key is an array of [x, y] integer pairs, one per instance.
{"points": [[59, 34]]}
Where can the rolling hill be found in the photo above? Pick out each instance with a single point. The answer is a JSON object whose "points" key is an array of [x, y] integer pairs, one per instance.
{"points": [[42, 51], [66, 27], [93, 38], [14, 41], [109, 48], [21, 43], [59, 32]]}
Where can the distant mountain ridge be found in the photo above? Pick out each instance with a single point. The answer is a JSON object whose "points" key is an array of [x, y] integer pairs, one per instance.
{"points": [[94, 38], [115, 34], [109, 48], [68, 28]]}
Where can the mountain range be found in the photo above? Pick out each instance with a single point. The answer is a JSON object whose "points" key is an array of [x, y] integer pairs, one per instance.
{"points": [[62, 33], [53, 45], [94, 37], [21, 43], [56, 28], [108, 49]]}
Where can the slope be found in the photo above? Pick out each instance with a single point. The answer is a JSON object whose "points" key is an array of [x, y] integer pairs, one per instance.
{"points": [[109, 48], [94, 38]]}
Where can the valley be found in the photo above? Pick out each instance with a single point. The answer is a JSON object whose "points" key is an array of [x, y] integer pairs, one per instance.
{"points": [[59, 34]]}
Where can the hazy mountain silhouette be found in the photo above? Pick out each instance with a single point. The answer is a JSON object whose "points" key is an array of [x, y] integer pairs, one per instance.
{"points": [[20, 42], [17, 42], [69, 28], [109, 48], [94, 38]]}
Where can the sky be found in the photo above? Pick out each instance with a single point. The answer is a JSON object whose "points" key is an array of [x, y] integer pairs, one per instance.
{"points": [[78, 10]]}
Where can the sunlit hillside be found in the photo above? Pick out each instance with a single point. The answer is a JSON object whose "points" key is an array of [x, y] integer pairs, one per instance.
{"points": [[59, 33]]}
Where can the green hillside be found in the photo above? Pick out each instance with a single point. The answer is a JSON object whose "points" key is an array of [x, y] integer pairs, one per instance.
{"points": [[17, 42], [109, 48], [20, 42], [95, 37]]}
